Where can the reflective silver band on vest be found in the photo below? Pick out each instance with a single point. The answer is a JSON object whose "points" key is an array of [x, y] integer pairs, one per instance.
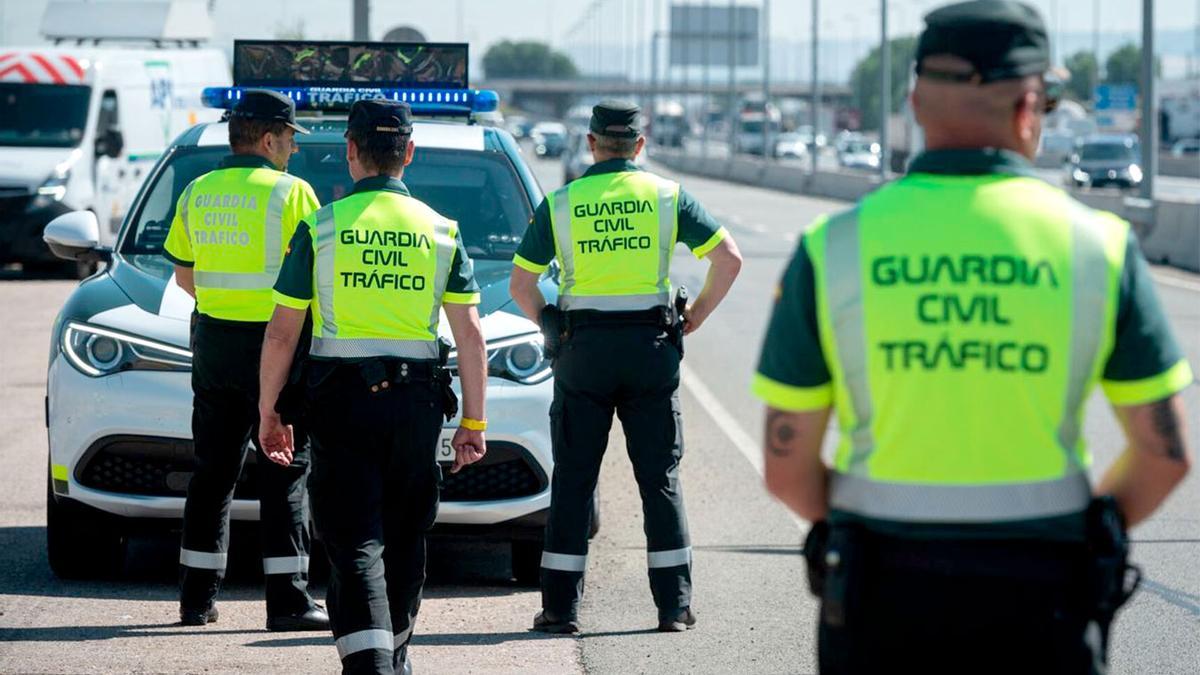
{"points": [[445, 249], [675, 558], [272, 243], [357, 348], [1089, 302], [361, 641], [324, 241], [183, 211], [564, 562], [843, 284], [668, 215], [292, 564], [927, 503], [202, 560]]}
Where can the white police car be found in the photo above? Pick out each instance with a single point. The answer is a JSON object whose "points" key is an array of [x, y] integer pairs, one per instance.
{"points": [[119, 401]]}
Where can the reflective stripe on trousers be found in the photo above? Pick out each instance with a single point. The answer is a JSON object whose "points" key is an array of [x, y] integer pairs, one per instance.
{"points": [[202, 560], [295, 564], [328, 344], [855, 492], [360, 641], [567, 299], [272, 243]]}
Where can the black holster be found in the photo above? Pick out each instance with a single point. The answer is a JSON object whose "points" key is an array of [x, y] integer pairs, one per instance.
{"points": [[675, 332], [833, 566], [1112, 579], [553, 329]]}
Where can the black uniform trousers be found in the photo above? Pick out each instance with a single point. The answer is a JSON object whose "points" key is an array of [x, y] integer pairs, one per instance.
{"points": [[963, 607], [224, 416], [634, 371], [374, 489]]}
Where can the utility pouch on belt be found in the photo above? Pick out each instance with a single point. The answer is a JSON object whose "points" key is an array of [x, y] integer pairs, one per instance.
{"points": [[290, 403], [1112, 579], [842, 556], [374, 373], [553, 328], [676, 331]]}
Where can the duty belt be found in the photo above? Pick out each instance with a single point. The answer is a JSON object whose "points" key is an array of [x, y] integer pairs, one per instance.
{"points": [[657, 316]]}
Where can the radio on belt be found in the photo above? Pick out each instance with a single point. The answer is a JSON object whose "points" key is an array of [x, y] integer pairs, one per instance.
{"points": [[330, 76]]}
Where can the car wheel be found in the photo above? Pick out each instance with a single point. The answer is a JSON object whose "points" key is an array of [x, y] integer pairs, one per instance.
{"points": [[81, 543], [527, 561]]}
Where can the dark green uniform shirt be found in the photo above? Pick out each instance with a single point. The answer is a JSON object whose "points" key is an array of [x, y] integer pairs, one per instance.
{"points": [[296, 276], [1143, 348], [697, 229]]}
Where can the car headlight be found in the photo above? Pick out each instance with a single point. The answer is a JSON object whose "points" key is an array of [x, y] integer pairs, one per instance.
{"points": [[97, 351], [52, 191], [518, 359], [1080, 175], [1135, 173]]}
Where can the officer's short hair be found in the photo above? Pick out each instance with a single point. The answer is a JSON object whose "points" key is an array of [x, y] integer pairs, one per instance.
{"points": [[246, 132], [384, 153], [616, 145]]}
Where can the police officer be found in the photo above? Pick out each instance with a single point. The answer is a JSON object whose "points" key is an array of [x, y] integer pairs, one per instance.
{"points": [[376, 268], [957, 320], [613, 232], [227, 241]]}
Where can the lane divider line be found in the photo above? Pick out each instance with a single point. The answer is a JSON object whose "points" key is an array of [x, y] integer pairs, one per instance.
{"points": [[1172, 280]]}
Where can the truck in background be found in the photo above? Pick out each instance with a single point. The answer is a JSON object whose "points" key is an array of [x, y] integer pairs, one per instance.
{"points": [[80, 126]]}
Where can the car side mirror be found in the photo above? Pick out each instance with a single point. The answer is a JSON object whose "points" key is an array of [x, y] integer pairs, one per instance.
{"points": [[74, 236], [110, 144], [1075, 159]]}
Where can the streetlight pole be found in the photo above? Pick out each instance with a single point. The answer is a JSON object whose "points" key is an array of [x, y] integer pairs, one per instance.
{"points": [[362, 19], [816, 84], [732, 76], [885, 84], [1149, 131], [766, 82], [707, 78]]}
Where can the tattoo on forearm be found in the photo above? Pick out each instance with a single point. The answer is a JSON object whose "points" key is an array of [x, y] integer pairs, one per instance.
{"points": [[780, 434], [1166, 425]]}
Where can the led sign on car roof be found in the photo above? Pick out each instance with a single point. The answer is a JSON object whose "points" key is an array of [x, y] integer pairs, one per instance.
{"points": [[331, 76]]}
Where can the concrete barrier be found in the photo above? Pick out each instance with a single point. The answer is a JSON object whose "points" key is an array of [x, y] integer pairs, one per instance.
{"points": [[1169, 231]]}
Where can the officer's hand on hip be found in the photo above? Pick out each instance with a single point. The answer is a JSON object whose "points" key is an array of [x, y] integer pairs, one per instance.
{"points": [[276, 438], [691, 320], [469, 447]]}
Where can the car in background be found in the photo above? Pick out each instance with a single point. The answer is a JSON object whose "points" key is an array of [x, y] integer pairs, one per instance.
{"points": [[859, 153], [518, 126], [549, 139], [1105, 161], [1188, 147], [118, 389], [790, 145], [576, 158]]}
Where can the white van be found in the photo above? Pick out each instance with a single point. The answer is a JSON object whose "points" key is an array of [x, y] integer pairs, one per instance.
{"points": [[80, 127]]}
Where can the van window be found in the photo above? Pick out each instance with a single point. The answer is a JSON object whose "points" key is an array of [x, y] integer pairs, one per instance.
{"points": [[43, 115]]}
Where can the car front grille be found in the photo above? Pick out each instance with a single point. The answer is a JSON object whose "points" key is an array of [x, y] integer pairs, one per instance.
{"points": [[163, 467], [13, 203]]}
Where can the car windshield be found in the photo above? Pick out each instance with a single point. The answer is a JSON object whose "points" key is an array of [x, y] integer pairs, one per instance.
{"points": [[1103, 151], [480, 190], [858, 146], [43, 115]]}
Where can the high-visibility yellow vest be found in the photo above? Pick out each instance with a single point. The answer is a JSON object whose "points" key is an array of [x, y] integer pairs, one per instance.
{"points": [[382, 263], [238, 221], [613, 236], [1000, 294]]}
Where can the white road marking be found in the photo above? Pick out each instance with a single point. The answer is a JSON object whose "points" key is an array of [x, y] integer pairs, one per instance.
{"points": [[722, 417], [1177, 282]]}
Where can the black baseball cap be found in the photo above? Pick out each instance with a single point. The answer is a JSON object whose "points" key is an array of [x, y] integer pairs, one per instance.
{"points": [[1001, 39], [613, 117], [381, 116], [266, 104]]}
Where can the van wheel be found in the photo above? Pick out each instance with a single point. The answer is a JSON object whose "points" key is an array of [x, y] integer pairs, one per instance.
{"points": [[81, 543], [527, 561]]}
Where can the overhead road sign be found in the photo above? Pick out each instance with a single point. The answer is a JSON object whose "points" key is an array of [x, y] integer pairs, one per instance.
{"points": [[701, 34], [184, 21], [1116, 97]]}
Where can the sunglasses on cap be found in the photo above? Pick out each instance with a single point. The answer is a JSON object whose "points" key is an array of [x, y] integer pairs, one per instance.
{"points": [[1053, 84]]}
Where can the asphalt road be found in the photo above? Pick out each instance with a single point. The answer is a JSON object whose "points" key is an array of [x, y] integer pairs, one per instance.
{"points": [[755, 616]]}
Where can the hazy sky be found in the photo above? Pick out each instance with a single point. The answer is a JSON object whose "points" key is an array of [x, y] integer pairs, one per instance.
{"points": [[853, 23]]}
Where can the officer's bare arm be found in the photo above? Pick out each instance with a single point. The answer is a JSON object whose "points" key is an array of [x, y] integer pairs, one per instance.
{"points": [[185, 279], [725, 262], [523, 286], [793, 469], [469, 445], [279, 347], [1154, 463]]}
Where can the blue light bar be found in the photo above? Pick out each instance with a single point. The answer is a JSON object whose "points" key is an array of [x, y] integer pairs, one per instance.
{"points": [[429, 102]]}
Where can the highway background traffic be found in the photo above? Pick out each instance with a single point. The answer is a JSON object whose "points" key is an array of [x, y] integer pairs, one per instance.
{"points": [[755, 615]]}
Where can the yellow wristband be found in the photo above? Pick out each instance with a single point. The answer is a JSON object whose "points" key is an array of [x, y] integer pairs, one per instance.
{"points": [[473, 425]]}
